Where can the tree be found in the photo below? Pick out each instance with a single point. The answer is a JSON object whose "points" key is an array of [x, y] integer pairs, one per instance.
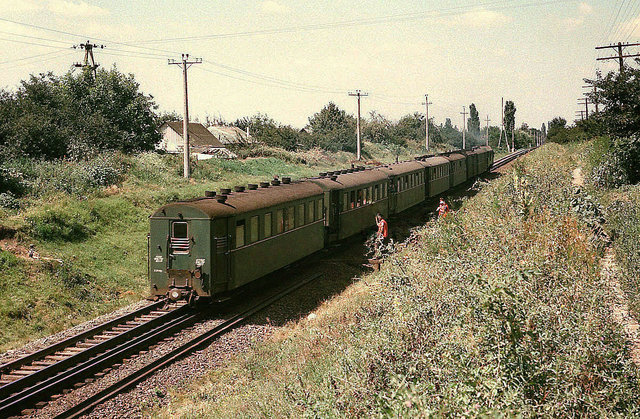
{"points": [[543, 129], [509, 117], [334, 129], [619, 95], [74, 115], [474, 122]]}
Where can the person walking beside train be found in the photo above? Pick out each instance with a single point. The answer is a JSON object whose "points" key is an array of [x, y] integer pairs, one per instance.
{"points": [[443, 209], [383, 229]]}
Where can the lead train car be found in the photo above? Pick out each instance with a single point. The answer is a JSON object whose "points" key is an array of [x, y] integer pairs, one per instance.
{"points": [[209, 247]]}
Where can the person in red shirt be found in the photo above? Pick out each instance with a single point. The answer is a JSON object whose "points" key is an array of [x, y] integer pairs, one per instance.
{"points": [[383, 228], [443, 208]]}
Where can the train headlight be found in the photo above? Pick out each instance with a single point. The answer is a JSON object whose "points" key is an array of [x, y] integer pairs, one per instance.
{"points": [[199, 263], [175, 294]]}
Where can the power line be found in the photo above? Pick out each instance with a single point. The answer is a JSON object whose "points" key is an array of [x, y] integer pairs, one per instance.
{"points": [[31, 56], [432, 14]]}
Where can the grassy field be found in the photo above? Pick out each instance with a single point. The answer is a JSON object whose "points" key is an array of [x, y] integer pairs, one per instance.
{"points": [[90, 220], [496, 311]]}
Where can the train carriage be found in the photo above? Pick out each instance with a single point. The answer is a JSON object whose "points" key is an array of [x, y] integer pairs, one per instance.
{"points": [[458, 169], [354, 199], [437, 175], [471, 157], [205, 244], [485, 158], [407, 187]]}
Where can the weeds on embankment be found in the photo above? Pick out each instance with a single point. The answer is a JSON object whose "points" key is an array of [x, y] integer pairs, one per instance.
{"points": [[497, 310]]}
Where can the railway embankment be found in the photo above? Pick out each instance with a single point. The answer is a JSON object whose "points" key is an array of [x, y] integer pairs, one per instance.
{"points": [[497, 309]]}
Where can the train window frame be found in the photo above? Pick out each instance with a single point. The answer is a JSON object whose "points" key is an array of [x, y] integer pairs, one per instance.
{"points": [[254, 229], [300, 215], [345, 201], [352, 199], [310, 212], [280, 221], [267, 229], [289, 219], [319, 209], [182, 241], [240, 228]]}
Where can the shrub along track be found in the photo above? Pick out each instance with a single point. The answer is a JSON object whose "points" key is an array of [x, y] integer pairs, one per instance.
{"points": [[401, 230]]}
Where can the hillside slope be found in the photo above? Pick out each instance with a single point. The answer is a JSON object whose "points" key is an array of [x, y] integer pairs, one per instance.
{"points": [[497, 310]]}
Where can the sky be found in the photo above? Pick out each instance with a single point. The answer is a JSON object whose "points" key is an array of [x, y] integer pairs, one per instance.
{"points": [[288, 59]]}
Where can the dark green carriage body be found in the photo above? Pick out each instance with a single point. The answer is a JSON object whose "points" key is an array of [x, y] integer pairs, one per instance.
{"points": [[471, 157], [250, 235], [407, 185], [485, 158], [437, 175], [355, 199], [457, 170]]}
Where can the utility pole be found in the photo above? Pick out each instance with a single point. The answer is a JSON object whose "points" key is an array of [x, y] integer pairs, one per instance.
{"points": [[358, 94], [185, 63], [88, 54], [502, 126], [488, 120], [586, 106], [426, 135], [595, 102], [464, 127], [620, 57]]}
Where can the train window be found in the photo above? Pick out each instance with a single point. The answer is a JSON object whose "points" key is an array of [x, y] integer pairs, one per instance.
{"points": [[319, 209], [267, 225], [300, 215], [239, 233], [310, 208], [398, 185], [376, 191], [279, 221], [370, 194], [352, 201], [362, 197], [385, 190], [345, 201], [180, 237], [288, 219], [254, 228]]}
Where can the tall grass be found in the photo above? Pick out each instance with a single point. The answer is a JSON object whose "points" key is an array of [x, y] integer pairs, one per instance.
{"points": [[496, 311]]}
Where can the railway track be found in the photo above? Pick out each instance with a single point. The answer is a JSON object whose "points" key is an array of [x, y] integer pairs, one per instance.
{"points": [[202, 340], [506, 159], [29, 382]]}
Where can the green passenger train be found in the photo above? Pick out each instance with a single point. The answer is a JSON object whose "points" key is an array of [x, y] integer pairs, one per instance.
{"points": [[209, 247]]}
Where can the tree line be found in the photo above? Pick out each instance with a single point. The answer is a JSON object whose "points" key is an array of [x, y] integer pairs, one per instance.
{"points": [[78, 115], [616, 126]]}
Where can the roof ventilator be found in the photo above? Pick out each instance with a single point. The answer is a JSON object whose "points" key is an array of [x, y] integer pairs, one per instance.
{"points": [[264, 184], [239, 189], [209, 194], [252, 186], [221, 198], [286, 180], [225, 191], [275, 182]]}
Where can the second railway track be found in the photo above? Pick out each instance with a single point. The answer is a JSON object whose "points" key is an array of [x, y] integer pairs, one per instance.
{"points": [[32, 380]]}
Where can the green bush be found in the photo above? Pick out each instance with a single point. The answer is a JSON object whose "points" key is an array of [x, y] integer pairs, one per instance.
{"points": [[9, 201], [54, 224]]}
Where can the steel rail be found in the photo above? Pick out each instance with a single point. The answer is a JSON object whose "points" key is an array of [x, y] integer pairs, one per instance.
{"points": [[87, 405], [27, 391], [504, 160], [27, 359]]}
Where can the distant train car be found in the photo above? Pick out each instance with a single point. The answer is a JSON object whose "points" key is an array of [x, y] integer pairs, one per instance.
{"points": [[209, 247]]}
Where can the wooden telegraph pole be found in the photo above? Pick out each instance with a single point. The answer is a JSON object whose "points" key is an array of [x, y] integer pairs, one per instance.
{"points": [[88, 55], [488, 120], [620, 57], [502, 126], [185, 63], [464, 127], [358, 94], [426, 135]]}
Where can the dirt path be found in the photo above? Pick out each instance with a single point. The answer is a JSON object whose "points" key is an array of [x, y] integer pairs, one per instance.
{"points": [[610, 273]]}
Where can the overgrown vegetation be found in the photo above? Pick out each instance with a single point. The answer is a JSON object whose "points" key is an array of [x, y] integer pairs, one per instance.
{"points": [[496, 311]]}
